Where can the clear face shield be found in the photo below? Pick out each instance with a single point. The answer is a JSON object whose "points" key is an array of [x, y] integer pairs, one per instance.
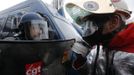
{"points": [[37, 30], [77, 14]]}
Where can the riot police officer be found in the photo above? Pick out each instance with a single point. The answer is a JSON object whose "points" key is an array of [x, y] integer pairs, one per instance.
{"points": [[32, 27]]}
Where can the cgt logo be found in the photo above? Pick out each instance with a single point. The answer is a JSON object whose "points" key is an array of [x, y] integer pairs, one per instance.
{"points": [[33, 69]]}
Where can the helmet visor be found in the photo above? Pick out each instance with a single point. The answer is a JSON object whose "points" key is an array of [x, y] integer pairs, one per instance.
{"points": [[76, 13], [38, 29]]}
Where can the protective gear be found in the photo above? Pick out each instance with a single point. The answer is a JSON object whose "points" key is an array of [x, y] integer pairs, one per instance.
{"points": [[122, 41], [121, 7], [84, 13], [81, 65], [80, 49], [118, 57], [33, 27], [82, 8]]}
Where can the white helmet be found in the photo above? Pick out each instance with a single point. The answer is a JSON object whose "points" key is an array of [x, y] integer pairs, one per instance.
{"points": [[121, 7], [86, 7]]}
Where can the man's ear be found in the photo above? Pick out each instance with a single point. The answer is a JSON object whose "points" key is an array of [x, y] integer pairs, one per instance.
{"points": [[115, 21], [111, 24]]}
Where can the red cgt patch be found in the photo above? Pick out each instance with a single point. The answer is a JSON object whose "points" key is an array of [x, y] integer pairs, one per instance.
{"points": [[33, 69]]}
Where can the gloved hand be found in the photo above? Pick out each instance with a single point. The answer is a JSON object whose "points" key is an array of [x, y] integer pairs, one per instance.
{"points": [[79, 61], [81, 65]]}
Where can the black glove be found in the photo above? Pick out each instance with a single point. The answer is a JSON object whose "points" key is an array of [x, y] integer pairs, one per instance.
{"points": [[81, 65], [79, 61]]}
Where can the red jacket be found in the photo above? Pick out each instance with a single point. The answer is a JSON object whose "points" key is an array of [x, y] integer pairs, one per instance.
{"points": [[124, 40]]}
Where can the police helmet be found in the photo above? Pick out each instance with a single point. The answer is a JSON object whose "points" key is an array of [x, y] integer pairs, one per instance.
{"points": [[33, 27]]}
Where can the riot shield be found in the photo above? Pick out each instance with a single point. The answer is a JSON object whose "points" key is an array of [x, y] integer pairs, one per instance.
{"points": [[29, 51]]}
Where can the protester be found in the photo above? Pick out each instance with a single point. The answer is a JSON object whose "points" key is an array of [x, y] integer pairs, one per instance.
{"points": [[104, 23], [32, 27]]}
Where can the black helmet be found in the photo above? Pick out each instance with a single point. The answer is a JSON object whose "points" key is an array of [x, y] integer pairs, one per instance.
{"points": [[33, 27]]}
